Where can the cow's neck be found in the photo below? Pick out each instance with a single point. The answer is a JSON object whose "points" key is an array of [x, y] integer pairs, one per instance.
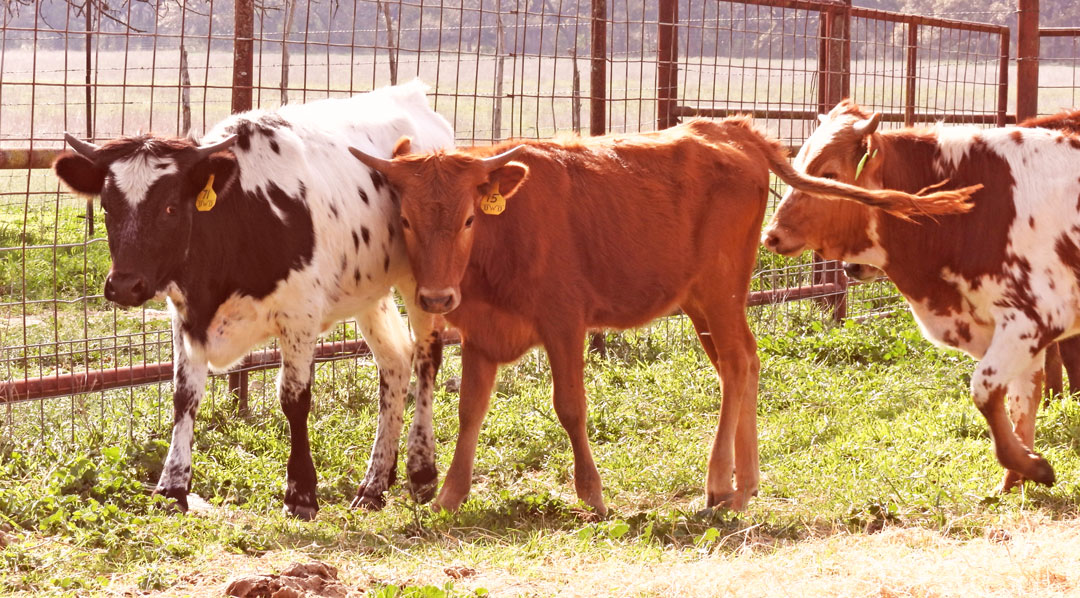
{"points": [[908, 159], [243, 246]]}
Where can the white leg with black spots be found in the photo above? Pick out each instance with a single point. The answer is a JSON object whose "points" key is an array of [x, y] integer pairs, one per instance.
{"points": [[427, 358], [294, 391], [389, 341], [189, 384]]}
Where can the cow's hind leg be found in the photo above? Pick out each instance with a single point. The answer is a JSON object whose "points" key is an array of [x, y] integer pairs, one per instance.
{"points": [[390, 345], [189, 384], [427, 358], [1024, 395], [294, 392], [1007, 359], [730, 345]]}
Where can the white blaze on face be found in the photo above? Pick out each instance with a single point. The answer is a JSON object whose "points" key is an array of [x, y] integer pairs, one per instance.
{"points": [[135, 175]]}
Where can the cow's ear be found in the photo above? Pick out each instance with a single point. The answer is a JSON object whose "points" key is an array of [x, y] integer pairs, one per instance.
{"points": [[79, 173], [508, 177], [224, 168], [403, 147]]}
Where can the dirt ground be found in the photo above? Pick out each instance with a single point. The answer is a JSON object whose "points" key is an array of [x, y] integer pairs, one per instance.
{"points": [[1034, 557]]}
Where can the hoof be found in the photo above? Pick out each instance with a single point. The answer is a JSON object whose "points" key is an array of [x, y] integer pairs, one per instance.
{"points": [[368, 503], [302, 505], [734, 500], [423, 483], [1041, 472], [178, 495], [302, 512], [1012, 480], [448, 506]]}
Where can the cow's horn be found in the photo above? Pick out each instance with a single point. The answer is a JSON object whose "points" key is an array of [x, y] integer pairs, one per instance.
{"points": [[380, 164], [497, 161], [868, 125], [205, 150], [84, 148]]}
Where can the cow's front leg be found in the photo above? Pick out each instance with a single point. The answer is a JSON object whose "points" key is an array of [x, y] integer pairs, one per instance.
{"points": [[565, 351], [389, 341], [294, 391], [189, 384], [427, 358], [1011, 355]]}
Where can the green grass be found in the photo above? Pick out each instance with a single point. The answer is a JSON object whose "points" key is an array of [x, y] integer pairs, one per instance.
{"points": [[861, 426]]}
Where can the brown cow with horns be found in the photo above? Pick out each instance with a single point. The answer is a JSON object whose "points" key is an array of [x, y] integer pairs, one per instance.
{"points": [[534, 244]]}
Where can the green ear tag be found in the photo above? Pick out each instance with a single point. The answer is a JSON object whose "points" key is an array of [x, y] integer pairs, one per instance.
{"points": [[862, 163]]}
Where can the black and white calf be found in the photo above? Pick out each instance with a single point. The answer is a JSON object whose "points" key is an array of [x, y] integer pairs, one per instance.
{"points": [[271, 228]]}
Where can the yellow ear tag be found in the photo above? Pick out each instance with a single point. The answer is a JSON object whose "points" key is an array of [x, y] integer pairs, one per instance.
{"points": [[206, 198], [493, 204]]}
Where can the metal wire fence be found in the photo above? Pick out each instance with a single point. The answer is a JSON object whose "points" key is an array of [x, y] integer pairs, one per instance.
{"points": [[497, 69]]}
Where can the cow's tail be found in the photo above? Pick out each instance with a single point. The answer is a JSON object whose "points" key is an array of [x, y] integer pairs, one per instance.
{"points": [[899, 203]]}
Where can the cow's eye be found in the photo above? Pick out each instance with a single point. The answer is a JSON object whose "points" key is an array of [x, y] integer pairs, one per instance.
{"points": [[170, 210], [468, 223], [404, 223], [829, 175]]}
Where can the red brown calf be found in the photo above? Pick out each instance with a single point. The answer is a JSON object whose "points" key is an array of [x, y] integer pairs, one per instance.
{"points": [[1000, 282], [536, 244]]}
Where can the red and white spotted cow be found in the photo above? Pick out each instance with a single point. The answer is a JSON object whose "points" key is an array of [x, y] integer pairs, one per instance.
{"points": [[1000, 282], [271, 229], [1062, 353]]}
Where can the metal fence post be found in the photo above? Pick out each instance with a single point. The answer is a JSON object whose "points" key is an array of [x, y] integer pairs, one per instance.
{"points": [[598, 79], [243, 54], [834, 76], [912, 59], [598, 109], [243, 65], [1027, 60], [667, 64], [1003, 81]]}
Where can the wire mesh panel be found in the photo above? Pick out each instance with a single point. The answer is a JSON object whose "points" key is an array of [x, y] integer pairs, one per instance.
{"points": [[1059, 69], [497, 69]]}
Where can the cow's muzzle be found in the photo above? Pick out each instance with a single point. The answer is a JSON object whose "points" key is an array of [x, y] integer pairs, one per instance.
{"points": [[439, 301], [776, 240], [127, 289], [862, 272]]}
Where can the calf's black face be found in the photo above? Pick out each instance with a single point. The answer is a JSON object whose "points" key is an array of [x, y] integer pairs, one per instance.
{"points": [[149, 188]]}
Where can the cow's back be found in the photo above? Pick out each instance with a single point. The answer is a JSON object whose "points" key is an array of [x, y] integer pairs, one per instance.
{"points": [[617, 226], [293, 163]]}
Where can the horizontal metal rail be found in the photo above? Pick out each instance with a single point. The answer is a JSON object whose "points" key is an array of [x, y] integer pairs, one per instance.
{"points": [[1059, 31], [978, 119], [877, 15], [59, 385], [23, 159]]}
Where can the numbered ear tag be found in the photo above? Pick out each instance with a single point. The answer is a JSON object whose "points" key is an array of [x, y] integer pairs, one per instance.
{"points": [[493, 204], [206, 199]]}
